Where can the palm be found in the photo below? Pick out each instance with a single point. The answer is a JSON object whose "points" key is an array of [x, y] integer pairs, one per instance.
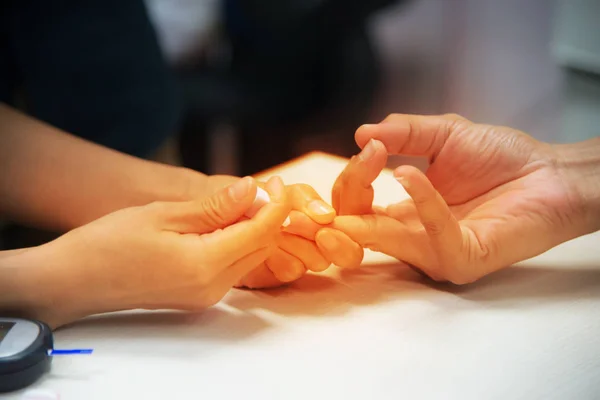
{"points": [[476, 159], [490, 179], [490, 173]]}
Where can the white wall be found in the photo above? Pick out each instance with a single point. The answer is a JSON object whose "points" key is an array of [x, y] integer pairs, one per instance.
{"points": [[488, 60]]}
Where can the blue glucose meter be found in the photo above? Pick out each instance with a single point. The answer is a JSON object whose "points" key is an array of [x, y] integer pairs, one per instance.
{"points": [[25, 352]]}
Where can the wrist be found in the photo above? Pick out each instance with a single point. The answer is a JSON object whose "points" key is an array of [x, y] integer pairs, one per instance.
{"points": [[579, 166], [29, 288], [170, 183]]}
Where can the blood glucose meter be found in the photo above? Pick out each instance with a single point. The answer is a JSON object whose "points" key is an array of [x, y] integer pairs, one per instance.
{"points": [[25, 352]]}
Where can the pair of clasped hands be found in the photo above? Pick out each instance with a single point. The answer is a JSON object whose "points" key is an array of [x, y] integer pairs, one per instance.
{"points": [[492, 196]]}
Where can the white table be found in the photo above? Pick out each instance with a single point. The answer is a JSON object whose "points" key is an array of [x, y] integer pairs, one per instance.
{"points": [[529, 332]]}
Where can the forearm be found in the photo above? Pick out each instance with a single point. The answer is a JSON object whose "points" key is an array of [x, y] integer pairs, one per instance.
{"points": [[18, 289], [9, 253], [36, 284], [580, 165], [54, 180]]}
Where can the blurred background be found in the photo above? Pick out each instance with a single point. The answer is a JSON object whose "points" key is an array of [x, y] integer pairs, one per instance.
{"points": [[239, 86], [530, 64]]}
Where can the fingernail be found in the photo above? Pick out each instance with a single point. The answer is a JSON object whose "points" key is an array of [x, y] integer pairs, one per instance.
{"points": [[277, 186], [240, 189], [287, 222], [368, 152], [403, 181], [329, 241], [319, 207]]}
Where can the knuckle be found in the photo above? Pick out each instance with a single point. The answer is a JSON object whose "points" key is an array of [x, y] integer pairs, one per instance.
{"points": [[391, 117], [420, 200], [437, 227], [454, 116], [302, 187], [434, 228], [370, 225], [212, 210], [371, 229]]}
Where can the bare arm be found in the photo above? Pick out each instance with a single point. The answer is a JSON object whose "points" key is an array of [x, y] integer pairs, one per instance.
{"points": [[51, 179]]}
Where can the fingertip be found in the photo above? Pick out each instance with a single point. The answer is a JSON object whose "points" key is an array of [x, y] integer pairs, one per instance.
{"points": [[407, 170], [276, 188], [320, 212], [327, 240], [302, 225], [364, 133], [260, 278], [378, 145], [243, 190], [339, 248], [411, 179], [305, 198], [285, 267]]}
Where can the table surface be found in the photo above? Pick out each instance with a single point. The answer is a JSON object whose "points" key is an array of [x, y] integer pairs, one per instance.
{"points": [[529, 332]]}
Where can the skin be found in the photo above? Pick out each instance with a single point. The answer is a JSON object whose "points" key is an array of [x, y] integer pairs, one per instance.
{"points": [[71, 182], [491, 197], [297, 249], [180, 255]]}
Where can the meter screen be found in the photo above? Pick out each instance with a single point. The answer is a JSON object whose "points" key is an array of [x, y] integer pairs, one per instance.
{"points": [[5, 327]]}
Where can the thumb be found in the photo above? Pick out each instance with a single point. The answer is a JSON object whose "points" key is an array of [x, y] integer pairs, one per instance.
{"points": [[213, 212], [411, 135], [352, 192]]}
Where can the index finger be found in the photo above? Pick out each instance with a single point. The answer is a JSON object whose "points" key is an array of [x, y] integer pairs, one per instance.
{"points": [[442, 228], [305, 198]]}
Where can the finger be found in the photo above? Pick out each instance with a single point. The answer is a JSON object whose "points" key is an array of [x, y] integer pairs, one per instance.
{"points": [[210, 213], [339, 249], [403, 210], [374, 232], [415, 135], [306, 199], [236, 241], [386, 235], [250, 270], [379, 210], [259, 278], [352, 191], [284, 266], [302, 225], [305, 250], [440, 224]]}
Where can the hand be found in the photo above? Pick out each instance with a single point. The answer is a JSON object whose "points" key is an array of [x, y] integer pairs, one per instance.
{"points": [[183, 255], [492, 196], [298, 251]]}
